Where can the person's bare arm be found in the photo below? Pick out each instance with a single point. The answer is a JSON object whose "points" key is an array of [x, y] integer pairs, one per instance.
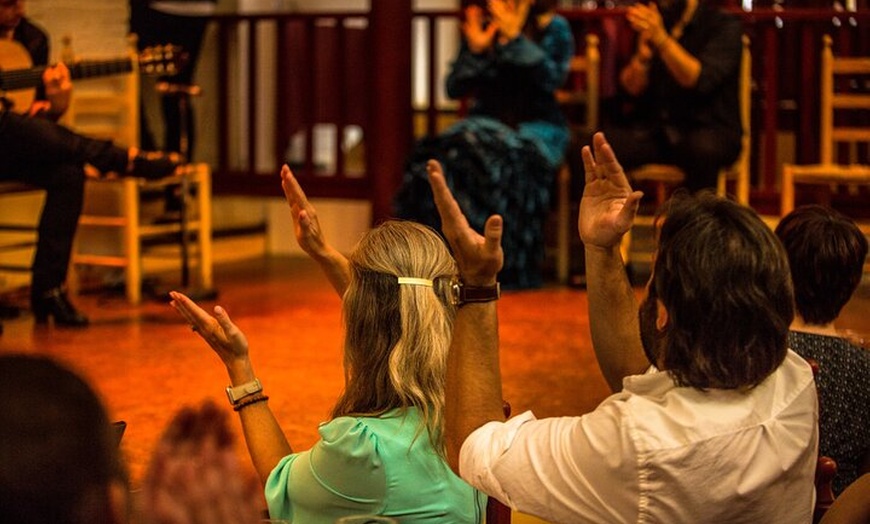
{"points": [[473, 392], [266, 442], [607, 209], [653, 38], [309, 234]]}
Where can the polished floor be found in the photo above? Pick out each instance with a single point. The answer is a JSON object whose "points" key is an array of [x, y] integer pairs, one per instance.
{"points": [[146, 362]]}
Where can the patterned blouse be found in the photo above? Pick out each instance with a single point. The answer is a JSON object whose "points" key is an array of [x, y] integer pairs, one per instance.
{"points": [[843, 384]]}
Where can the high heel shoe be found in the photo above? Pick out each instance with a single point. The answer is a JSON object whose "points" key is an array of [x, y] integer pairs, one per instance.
{"points": [[56, 304], [153, 165]]}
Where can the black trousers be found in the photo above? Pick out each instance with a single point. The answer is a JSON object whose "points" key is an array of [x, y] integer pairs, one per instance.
{"points": [[700, 153], [45, 154]]}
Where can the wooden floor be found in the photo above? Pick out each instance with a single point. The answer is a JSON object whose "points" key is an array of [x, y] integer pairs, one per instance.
{"points": [[146, 362]]}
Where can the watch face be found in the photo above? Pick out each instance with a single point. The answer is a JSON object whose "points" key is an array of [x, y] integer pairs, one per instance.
{"points": [[456, 293]]}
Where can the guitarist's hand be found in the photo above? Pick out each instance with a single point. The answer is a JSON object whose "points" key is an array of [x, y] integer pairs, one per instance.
{"points": [[58, 90]]}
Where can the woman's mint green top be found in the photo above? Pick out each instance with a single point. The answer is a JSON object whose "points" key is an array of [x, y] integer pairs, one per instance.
{"points": [[371, 465]]}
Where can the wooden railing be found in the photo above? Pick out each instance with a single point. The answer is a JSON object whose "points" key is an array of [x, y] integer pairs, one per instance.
{"points": [[327, 72]]}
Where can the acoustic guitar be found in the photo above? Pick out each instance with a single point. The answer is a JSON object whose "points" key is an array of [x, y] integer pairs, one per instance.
{"points": [[19, 79]]}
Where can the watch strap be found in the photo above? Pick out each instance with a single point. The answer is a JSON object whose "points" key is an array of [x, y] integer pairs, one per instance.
{"points": [[237, 393], [465, 294]]}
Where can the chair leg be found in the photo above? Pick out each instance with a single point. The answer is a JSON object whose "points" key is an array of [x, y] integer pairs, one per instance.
{"points": [[787, 195], [203, 202], [133, 272]]}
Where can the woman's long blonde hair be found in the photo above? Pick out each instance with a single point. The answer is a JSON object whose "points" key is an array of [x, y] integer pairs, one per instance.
{"points": [[398, 336]]}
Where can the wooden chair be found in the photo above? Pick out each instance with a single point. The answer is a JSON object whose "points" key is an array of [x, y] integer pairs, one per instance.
{"points": [[838, 75], [826, 470], [852, 506], [116, 220], [665, 177], [21, 205], [587, 66]]}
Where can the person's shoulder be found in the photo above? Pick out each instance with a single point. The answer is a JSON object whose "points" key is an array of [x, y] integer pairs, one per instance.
{"points": [[29, 30], [349, 429]]}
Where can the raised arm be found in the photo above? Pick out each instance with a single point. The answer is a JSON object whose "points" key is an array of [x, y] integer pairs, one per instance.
{"points": [[309, 235], [607, 210], [473, 393], [266, 442]]}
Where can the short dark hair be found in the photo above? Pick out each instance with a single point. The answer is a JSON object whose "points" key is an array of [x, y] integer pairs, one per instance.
{"points": [[826, 252], [723, 278], [58, 454]]}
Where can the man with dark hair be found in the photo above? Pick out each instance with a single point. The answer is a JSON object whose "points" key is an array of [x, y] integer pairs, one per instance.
{"points": [[717, 423], [826, 253]]}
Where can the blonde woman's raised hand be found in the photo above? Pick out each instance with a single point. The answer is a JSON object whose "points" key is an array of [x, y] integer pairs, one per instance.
{"points": [[309, 234], [218, 331]]}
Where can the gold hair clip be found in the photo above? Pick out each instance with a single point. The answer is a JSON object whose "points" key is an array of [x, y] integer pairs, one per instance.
{"points": [[414, 281]]}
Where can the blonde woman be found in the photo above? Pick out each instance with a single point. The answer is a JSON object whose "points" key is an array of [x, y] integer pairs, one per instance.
{"points": [[382, 451]]}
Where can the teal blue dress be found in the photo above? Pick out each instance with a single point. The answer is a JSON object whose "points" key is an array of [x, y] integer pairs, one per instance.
{"points": [[501, 159], [371, 465]]}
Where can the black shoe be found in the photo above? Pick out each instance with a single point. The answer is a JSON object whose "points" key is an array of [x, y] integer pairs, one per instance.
{"points": [[153, 165], [55, 303]]}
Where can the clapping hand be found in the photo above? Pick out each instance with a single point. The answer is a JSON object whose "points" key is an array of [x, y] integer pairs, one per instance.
{"points": [[609, 205], [646, 20], [478, 34], [509, 16], [218, 331], [309, 234], [479, 258]]}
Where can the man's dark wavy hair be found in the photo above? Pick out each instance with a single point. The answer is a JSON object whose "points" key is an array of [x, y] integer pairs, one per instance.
{"points": [[723, 277], [826, 253]]}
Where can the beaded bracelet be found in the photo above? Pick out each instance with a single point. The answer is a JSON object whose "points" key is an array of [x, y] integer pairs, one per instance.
{"points": [[249, 401]]}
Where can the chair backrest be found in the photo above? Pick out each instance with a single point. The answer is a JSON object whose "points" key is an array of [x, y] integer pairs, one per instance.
{"points": [[739, 171], [841, 94], [106, 107], [584, 92]]}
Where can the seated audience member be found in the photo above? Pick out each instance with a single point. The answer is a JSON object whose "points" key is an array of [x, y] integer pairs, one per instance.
{"points": [[382, 452], [678, 94], [195, 477], [59, 458], [826, 253], [36, 150], [852, 506], [712, 418], [513, 56], [60, 462]]}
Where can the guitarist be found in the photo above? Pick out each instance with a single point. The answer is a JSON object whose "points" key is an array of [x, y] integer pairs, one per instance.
{"points": [[36, 150]]}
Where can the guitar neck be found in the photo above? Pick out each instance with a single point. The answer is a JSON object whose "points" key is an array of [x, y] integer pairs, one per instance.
{"points": [[32, 77]]}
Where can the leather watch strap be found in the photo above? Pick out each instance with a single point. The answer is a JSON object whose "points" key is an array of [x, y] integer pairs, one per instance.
{"points": [[465, 294]]}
